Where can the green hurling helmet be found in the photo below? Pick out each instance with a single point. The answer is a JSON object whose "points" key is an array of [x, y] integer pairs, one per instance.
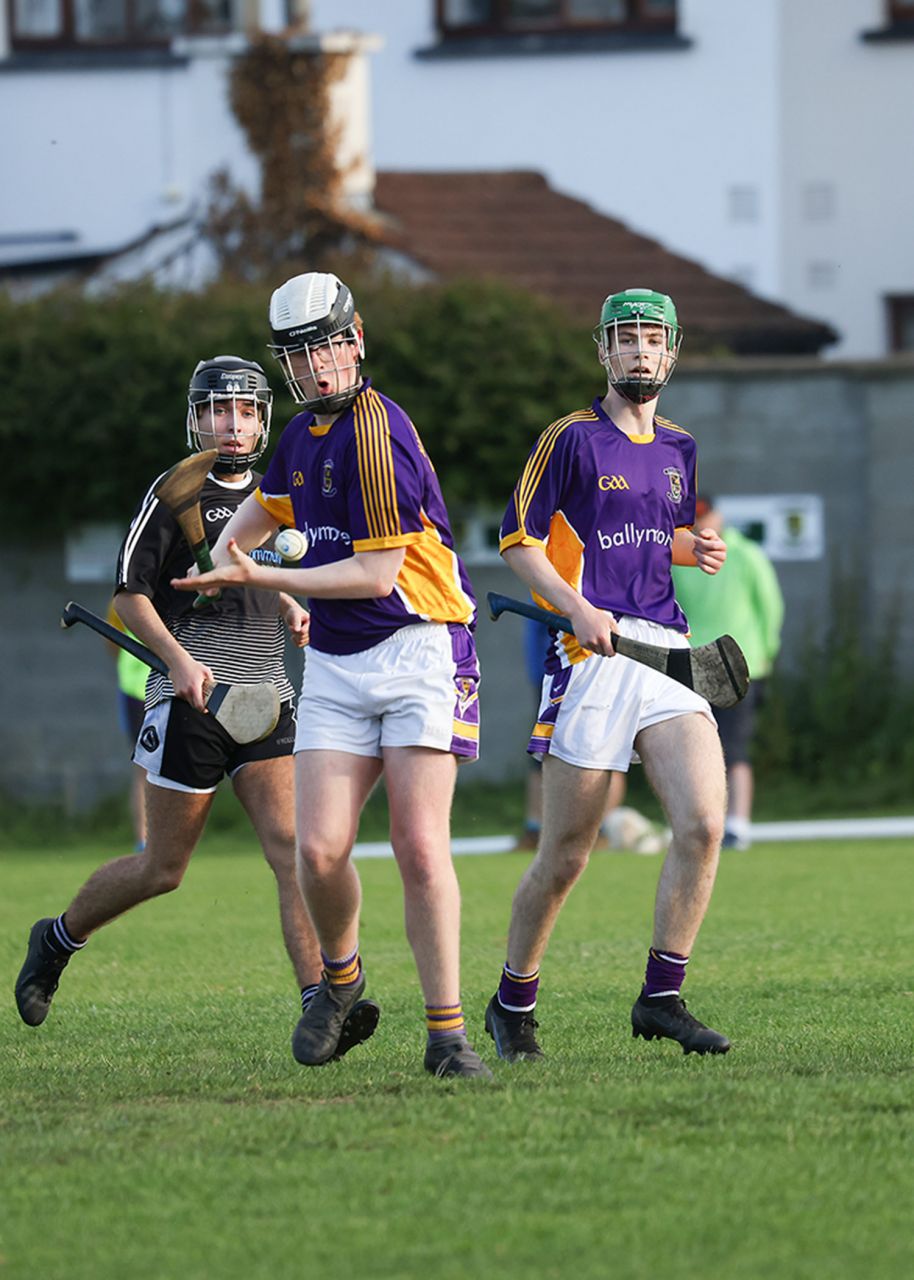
{"points": [[638, 379]]}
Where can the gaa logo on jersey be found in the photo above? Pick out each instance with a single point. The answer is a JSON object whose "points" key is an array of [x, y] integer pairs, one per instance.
{"points": [[328, 488], [674, 475]]}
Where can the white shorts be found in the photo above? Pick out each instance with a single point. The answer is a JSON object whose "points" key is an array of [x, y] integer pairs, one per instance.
{"points": [[417, 688], [591, 713]]}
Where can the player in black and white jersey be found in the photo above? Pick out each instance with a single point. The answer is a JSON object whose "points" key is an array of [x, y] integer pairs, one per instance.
{"points": [[236, 639]]}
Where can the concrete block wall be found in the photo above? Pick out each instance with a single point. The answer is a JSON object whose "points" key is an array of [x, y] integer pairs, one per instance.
{"points": [[843, 431]]}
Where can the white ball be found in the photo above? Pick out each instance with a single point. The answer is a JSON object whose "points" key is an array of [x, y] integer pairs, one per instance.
{"points": [[291, 544]]}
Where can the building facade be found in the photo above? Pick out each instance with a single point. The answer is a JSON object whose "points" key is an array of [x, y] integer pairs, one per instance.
{"points": [[759, 137]]}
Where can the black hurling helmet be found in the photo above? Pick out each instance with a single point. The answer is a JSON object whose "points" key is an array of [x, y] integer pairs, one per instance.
{"points": [[315, 313], [229, 378]]}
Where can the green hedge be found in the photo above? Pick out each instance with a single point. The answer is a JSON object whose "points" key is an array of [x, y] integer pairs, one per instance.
{"points": [[840, 722], [95, 387]]}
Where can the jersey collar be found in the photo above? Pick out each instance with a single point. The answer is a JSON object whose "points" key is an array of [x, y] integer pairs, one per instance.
{"points": [[604, 417]]}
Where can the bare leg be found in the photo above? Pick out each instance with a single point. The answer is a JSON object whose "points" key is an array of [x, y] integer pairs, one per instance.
{"points": [[266, 789], [138, 803], [574, 801], [175, 822], [739, 791], [420, 787], [685, 766], [618, 785], [331, 788]]}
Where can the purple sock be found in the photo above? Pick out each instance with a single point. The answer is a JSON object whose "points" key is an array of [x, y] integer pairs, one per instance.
{"points": [[517, 991], [344, 971], [665, 973]]}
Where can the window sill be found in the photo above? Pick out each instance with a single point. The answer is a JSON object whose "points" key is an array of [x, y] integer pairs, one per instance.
{"points": [[892, 34], [535, 44], [91, 60]]}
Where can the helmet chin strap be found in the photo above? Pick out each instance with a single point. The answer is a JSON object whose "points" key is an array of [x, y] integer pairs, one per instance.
{"points": [[338, 402], [233, 465], [637, 392]]}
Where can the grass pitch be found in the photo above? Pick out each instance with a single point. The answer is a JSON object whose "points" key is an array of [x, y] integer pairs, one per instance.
{"points": [[157, 1126]]}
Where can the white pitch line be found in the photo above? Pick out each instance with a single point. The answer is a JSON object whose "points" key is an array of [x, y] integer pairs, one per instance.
{"points": [[461, 844], [833, 829], [762, 833]]}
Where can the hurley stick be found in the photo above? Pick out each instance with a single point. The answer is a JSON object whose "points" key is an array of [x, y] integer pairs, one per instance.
{"points": [[717, 671], [247, 712], [179, 491]]}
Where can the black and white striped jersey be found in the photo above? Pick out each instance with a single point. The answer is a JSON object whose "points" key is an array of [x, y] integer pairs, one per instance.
{"points": [[240, 636]]}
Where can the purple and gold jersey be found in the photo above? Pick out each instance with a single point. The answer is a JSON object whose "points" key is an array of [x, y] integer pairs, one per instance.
{"points": [[604, 506], [365, 483]]}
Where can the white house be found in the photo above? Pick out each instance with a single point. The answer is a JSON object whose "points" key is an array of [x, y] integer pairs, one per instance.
{"points": [[115, 115], [767, 139]]}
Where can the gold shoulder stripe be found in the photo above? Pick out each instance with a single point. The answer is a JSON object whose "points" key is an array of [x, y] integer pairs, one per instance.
{"points": [[536, 463], [376, 466], [665, 422]]}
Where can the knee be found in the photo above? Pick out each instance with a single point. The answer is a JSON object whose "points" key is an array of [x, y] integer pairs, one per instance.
{"points": [[315, 859], [702, 833], [423, 866], [559, 869], [162, 879], [279, 851]]}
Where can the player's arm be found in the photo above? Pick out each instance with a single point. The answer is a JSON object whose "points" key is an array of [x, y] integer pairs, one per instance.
{"points": [[705, 549], [593, 627], [367, 575], [188, 676]]}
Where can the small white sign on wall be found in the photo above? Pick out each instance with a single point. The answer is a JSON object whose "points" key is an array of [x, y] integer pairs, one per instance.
{"points": [[788, 526], [90, 553]]}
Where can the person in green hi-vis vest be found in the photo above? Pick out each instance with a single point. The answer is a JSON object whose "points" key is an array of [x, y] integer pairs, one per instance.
{"points": [[743, 600], [131, 701]]}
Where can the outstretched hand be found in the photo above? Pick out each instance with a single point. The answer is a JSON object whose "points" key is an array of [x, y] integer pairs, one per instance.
{"points": [[237, 573], [710, 551]]}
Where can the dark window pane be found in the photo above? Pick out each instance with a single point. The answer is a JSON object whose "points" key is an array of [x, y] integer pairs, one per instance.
{"points": [[468, 13], [598, 10], [159, 19], [37, 19], [902, 313], [100, 19], [213, 15], [531, 13]]}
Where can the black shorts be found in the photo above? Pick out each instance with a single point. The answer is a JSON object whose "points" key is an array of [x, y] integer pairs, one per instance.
{"points": [[181, 747], [132, 714], [737, 725]]}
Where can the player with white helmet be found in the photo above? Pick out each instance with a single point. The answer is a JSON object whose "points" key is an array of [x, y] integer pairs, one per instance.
{"points": [[604, 506], [390, 682], [313, 319]]}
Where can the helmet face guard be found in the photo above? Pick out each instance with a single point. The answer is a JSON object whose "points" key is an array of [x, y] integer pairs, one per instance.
{"points": [[222, 380], [313, 317], [637, 365]]}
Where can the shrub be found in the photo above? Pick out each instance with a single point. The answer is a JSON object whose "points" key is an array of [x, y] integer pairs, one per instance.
{"points": [[97, 385]]}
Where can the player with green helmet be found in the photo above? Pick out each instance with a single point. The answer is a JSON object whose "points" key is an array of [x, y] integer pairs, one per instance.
{"points": [[638, 339], [603, 508]]}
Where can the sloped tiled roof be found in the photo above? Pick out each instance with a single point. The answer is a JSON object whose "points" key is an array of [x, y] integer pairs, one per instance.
{"points": [[513, 226]]}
